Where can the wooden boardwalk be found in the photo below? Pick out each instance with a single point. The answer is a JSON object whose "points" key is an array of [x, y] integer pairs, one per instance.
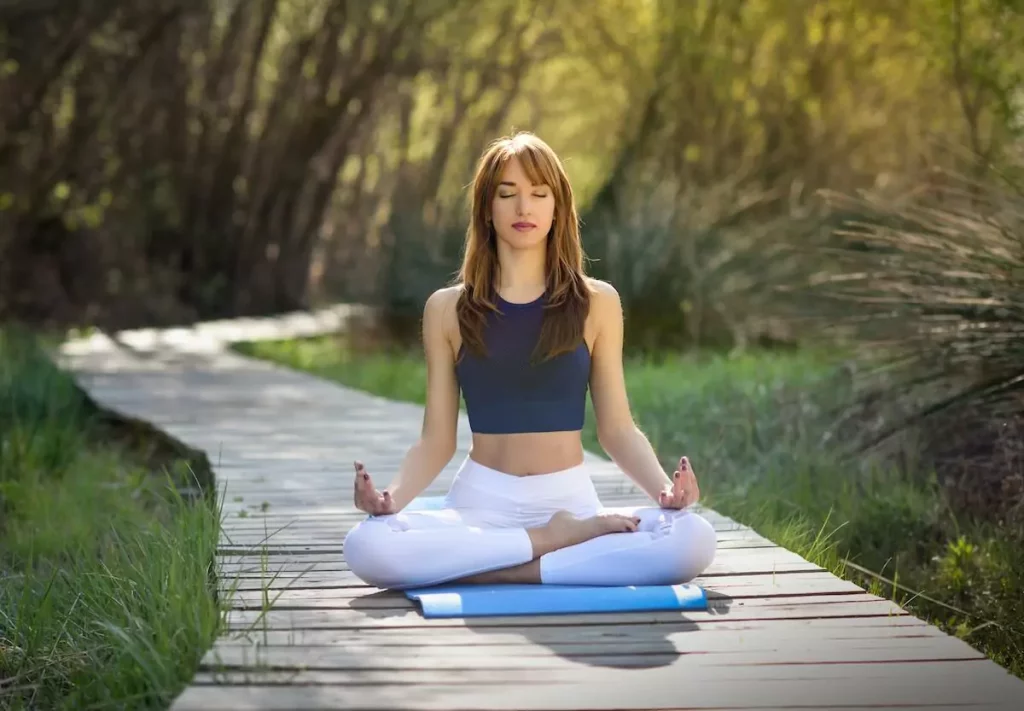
{"points": [[304, 633]]}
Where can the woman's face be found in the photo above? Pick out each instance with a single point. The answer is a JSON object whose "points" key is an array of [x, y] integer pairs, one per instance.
{"points": [[522, 213]]}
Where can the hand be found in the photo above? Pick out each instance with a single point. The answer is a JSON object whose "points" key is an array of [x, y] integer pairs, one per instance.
{"points": [[367, 498], [683, 491]]}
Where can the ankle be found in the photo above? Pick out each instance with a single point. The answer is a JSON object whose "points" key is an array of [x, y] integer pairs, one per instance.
{"points": [[542, 540]]}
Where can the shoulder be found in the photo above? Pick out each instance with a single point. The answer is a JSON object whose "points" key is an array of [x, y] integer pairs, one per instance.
{"points": [[605, 310], [439, 310], [443, 300], [604, 299]]}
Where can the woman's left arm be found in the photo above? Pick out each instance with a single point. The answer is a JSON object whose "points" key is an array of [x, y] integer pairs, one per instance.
{"points": [[618, 434]]}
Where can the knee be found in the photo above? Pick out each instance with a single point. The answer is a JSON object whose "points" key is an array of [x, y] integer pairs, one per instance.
{"points": [[696, 543], [366, 552]]}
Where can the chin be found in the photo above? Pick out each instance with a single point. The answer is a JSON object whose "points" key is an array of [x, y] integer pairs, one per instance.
{"points": [[529, 240]]}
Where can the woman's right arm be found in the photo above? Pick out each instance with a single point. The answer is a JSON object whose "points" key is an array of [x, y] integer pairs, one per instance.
{"points": [[436, 445]]}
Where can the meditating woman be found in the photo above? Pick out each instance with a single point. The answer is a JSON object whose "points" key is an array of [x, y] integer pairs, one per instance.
{"points": [[523, 334]]}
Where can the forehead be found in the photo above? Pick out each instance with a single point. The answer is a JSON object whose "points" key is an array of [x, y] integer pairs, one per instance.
{"points": [[521, 173]]}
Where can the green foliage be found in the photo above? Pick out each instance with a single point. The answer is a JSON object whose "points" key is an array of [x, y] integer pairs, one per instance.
{"points": [[338, 137], [931, 293], [105, 596], [42, 413]]}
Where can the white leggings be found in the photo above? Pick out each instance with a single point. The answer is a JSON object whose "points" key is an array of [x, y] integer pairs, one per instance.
{"points": [[483, 528]]}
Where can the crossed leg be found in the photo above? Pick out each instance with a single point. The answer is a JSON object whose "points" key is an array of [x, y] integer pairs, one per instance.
{"points": [[428, 548]]}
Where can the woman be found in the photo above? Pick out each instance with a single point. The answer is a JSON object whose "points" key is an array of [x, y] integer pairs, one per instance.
{"points": [[523, 335]]}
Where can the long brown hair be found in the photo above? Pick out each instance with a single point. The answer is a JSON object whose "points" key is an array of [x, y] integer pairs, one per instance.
{"points": [[567, 295]]}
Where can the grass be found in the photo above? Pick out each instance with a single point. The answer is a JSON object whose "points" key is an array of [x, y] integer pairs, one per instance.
{"points": [[105, 592], [768, 453]]}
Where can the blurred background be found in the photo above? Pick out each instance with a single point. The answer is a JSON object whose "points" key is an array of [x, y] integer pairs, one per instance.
{"points": [[168, 160], [813, 211], [751, 173]]}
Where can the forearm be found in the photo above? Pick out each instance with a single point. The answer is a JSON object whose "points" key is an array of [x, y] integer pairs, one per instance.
{"points": [[420, 466], [630, 449]]}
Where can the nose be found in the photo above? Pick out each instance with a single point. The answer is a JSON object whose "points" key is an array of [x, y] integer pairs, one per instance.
{"points": [[522, 205]]}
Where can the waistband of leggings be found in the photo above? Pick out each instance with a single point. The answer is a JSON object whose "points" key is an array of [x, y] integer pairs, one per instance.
{"points": [[565, 481]]}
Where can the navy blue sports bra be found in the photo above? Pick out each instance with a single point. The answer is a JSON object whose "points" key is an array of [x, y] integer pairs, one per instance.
{"points": [[505, 394]]}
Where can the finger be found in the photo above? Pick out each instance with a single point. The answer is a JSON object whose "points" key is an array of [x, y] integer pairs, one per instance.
{"points": [[678, 489], [363, 477], [357, 482], [686, 476]]}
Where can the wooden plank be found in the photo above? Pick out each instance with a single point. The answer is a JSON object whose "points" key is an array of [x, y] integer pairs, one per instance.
{"points": [[735, 587], [682, 650], [756, 609], [884, 685], [384, 639], [303, 665], [570, 642]]}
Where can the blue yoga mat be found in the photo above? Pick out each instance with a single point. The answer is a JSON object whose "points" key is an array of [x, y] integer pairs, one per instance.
{"points": [[489, 600]]}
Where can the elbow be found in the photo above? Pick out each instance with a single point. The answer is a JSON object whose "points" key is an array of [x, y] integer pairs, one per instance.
{"points": [[438, 448]]}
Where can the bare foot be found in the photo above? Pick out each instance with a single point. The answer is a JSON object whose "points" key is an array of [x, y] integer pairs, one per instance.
{"points": [[564, 530]]}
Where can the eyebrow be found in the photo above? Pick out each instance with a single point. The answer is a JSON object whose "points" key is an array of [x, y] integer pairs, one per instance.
{"points": [[513, 185]]}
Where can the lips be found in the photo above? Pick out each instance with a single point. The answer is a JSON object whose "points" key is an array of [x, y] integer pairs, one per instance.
{"points": [[523, 226]]}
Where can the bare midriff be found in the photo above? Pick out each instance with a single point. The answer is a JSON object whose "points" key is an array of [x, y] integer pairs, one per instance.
{"points": [[530, 453]]}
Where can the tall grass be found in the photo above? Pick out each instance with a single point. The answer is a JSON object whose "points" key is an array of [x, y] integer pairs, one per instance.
{"points": [[932, 290], [760, 431], [105, 591]]}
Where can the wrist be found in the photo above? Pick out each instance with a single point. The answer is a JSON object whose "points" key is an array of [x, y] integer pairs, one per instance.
{"points": [[397, 495], [659, 482]]}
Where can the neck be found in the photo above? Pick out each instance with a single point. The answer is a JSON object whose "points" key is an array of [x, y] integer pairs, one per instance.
{"points": [[522, 270]]}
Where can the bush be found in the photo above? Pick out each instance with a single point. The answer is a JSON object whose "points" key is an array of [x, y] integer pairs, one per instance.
{"points": [[930, 291]]}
